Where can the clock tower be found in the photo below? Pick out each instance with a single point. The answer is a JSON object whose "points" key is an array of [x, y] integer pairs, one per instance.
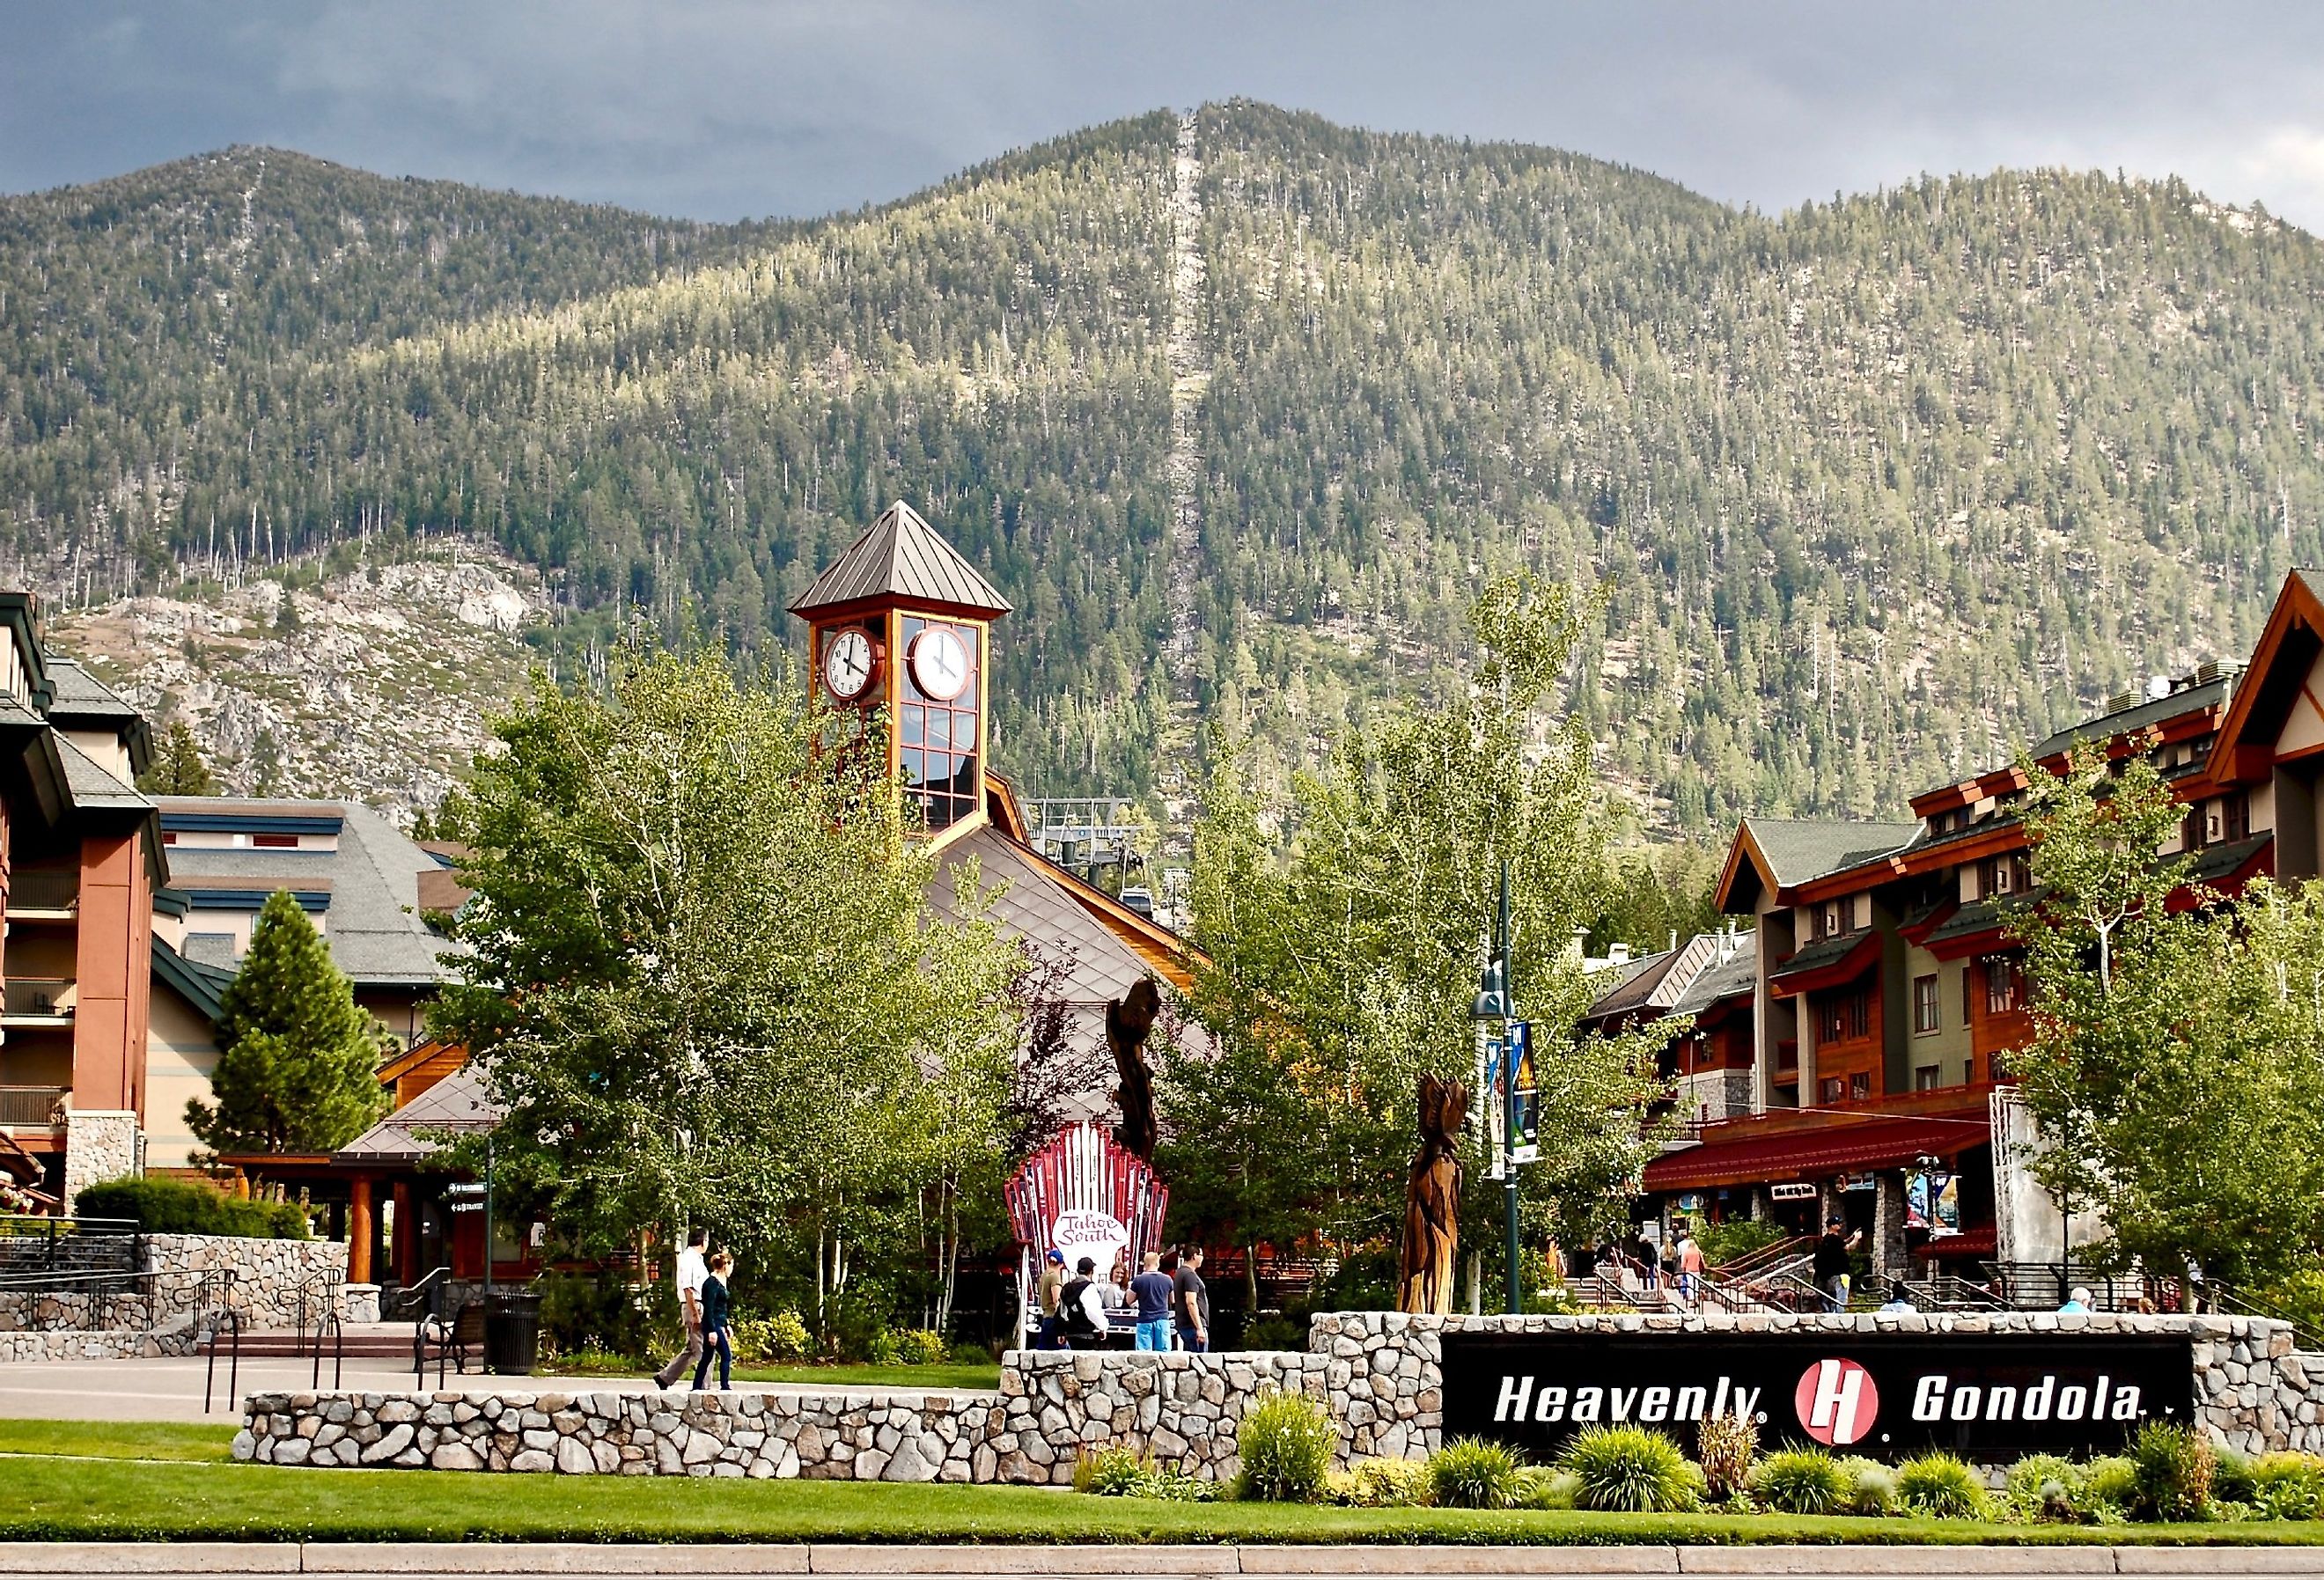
{"points": [[901, 623]]}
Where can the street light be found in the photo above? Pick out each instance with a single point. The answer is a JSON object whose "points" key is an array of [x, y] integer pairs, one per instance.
{"points": [[1491, 1006]]}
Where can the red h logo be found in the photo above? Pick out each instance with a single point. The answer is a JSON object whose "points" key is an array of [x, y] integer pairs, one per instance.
{"points": [[1836, 1402]]}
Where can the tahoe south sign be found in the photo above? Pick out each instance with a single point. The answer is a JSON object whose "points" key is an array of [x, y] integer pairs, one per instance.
{"points": [[1875, 1393]]}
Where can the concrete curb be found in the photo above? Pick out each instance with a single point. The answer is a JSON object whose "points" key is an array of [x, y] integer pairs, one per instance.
{"points": [[1100, 1561]]}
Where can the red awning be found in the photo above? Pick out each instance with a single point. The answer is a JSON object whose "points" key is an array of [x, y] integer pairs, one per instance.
{"points": [[1843, 1146], [1981, 1242]]}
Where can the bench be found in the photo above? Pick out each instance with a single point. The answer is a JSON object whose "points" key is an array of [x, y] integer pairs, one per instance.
{"points": [[449, 1340]]}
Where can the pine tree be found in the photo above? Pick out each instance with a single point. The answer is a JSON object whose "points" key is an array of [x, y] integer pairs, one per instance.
{"points": [[178, 768], [299, 1070]]}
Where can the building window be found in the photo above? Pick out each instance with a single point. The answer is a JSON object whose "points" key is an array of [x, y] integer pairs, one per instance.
{"points": [[1831, 1089], [2234, 818], [1925, 1005], [2004, 985], [1924, 1079], [274, 841], [168, 836], [1844, 1017], [1859, 1086], [2002, 875], [939, 747]]}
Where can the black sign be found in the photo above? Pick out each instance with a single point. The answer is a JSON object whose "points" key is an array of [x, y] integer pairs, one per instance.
{"points": [[1881, 1394]]}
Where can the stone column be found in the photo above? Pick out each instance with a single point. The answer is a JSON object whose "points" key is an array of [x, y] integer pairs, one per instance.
{"points": [[100, 1143], [1889, 1257], [359, 1230]]}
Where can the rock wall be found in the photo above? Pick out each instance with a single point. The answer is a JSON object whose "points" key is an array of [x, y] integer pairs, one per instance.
{"points": [[100, 1143], [103, 1344], [275, 1280], [1380, 1374]]}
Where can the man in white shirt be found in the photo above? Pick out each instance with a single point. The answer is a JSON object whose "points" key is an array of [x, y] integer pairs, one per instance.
{"points": [[691, 1271]]}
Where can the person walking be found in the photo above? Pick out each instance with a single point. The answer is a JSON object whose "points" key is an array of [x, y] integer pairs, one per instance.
{"points": [[691, 1271], [1191, 1300], [1833, 1267], [717, 1322], [1690, 1266], [1082, 1308], [1051, 1289], [1152, 1289]]}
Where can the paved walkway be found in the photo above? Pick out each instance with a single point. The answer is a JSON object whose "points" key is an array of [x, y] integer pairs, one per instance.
{"points": [[408, 1559], [171, 1389]]}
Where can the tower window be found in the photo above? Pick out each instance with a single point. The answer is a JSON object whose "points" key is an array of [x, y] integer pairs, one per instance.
{"points": [[939, 735]]}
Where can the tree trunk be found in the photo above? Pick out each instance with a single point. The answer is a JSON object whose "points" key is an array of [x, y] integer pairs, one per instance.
{"points": [[1431, 1201]]}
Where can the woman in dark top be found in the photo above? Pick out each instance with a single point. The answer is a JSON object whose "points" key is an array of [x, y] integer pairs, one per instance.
{"points": [[717, 1319]]}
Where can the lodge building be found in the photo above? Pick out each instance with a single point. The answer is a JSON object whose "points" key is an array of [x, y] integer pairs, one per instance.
{"points": [[1861, 1047]]}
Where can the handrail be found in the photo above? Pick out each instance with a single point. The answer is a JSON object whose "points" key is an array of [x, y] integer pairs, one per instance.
{"points": [[214, 1293], [1751, 1262], [2244, 1304], [404, 1301], [325, 1281]]}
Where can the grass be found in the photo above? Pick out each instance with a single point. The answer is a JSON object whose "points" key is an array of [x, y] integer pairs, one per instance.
{"points": [[947, 1377], [81, 1491], [118, 1440]]}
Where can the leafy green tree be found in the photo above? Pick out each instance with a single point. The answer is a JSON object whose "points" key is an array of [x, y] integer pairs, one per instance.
{"points": [[178, 768], [1343, 968], [300, 1073], [705, 983], [2178, 1053]]}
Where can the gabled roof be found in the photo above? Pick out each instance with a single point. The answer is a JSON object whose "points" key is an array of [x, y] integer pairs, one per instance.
{"points": [[75, 694], [902, 560], [2278, 677], [1780, 854], [2107, 727], [93, 784], [199, 983], [459, 1101], [1642, 975]]}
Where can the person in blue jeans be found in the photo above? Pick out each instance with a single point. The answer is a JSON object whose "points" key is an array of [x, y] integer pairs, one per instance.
{"points": [[1152, 1289], [717, 1324]]}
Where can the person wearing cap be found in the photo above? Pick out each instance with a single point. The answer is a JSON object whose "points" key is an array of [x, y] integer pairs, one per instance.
{"points": [[1051, 1292]]}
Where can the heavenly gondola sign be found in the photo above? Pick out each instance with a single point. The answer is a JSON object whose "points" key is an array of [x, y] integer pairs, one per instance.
{"points": [[1982, 1395]]}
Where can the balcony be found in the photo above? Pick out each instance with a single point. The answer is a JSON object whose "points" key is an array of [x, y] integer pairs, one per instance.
{"points": [[38, 1000], [28, 1107], [43, 894]]}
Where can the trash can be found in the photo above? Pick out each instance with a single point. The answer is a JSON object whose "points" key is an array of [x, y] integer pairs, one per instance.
{"points": [[512, 1333]]}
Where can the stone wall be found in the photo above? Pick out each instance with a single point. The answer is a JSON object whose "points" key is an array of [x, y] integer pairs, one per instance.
{"points": [[273, 1282], [100, 1143], [1380, 1374], [103, 1344]]}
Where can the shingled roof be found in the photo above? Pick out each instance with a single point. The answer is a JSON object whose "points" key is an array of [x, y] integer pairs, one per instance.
{"points": [[902, 557]]}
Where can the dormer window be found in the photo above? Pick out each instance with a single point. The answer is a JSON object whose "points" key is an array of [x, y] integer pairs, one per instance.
{"points": [[2004, 874], [1835, 916]]}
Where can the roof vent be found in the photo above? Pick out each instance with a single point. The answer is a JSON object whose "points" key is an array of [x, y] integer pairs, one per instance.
{"points": [[1617, 953], [2120, 702], [2158, 687]]}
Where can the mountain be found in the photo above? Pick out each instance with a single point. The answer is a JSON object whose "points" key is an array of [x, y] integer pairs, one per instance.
{"points": [[1238, 407]]}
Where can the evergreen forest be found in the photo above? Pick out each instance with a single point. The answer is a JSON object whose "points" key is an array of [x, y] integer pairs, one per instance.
{"points": [[1240, 408]]}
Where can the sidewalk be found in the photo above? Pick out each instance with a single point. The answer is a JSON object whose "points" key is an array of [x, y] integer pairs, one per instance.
{"points": [[149, 1560]]}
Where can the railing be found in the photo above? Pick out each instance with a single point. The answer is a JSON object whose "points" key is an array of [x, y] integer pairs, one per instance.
{"points": [[214, 1303], [2044, 1286], [1767, 1257], [38, 995], [43, 890], [1949, 1293], [34, 1248], [2225, 1297], [319, 1293], [28, 1107]]}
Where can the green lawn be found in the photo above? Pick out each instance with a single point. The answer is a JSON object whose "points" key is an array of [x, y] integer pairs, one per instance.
{"points": [[948, 1375], [117, 1439], [63, 1496]]}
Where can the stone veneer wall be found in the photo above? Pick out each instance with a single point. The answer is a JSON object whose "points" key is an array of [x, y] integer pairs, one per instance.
{"points": [[268, 1293], [1378, 1373], [100, 1143]]}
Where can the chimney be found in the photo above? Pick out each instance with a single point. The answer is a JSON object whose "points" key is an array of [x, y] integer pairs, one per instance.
{"points": [[1617, 953]]}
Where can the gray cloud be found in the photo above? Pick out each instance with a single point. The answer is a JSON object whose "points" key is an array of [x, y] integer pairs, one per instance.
{"points": [[723, 108]]}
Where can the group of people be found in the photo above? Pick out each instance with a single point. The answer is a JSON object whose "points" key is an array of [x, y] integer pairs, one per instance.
{"points": [[707, 1308], [1166, 1299]]}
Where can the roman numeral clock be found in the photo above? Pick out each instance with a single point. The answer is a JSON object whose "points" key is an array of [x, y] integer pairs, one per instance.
{"points": [[901, 623]]}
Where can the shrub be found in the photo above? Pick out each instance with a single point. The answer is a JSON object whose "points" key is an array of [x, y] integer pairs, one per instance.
{"points": [[1940, 1486], [1285, 1444], [1273, 1333], [2231, 1476], [581, 1313], [1552, 1488], [2174, 1468], [1469, 1473], [2287, 1486], [1724, 1447], [2045, 1487], [1383, 1483], [1800, 1480], [1871, 1487], [188, 1206], [2109, 1487], [1124, 1472], [1629, 1470], [919, 1347], [881, 1348], [780, 1337], [1724, 1243]]}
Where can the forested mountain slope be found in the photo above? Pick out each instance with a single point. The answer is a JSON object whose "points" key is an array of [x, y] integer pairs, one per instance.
{"points": [[1873, 488]]}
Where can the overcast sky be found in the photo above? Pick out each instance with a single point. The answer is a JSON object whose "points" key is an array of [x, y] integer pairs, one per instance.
{"points": [[723, 110]]}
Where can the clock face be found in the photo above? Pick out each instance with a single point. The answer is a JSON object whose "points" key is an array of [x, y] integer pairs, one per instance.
{"points": [[847, 665], [939, 661]]}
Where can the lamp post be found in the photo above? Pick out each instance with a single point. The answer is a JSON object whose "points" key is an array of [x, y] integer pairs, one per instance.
{"points": [[1492, 1006]]}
